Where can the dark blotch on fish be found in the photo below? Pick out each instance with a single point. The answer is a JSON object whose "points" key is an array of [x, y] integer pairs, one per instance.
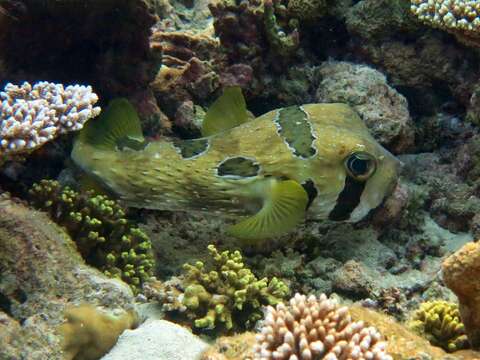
{"points": [[238, 166]]}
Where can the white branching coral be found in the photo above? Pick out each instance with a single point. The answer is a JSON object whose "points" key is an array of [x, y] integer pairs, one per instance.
{"points": [[311, 328], [31, 116], [458, 16]]}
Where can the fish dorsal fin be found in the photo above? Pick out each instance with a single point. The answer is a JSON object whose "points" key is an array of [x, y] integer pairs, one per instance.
{"points": [[283, 208], [117, 125], [227, 112]]}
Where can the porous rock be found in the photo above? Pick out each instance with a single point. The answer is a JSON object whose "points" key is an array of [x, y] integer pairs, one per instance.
{"points": [[42, 273], [157, 340], [382, 108]]}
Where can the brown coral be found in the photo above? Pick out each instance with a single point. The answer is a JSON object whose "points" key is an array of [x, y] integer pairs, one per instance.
{"points": [[88, 333], [240, 29], [316, 328], [188, 72], [461, 273]]}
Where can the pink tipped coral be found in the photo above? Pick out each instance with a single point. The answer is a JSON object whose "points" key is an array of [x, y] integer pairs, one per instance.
{"points": [[31, 116], [310, 328]]}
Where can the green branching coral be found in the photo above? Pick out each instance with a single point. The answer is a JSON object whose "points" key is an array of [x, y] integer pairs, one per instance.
{"points": [[227, 295], [283, 44], [104, 237], [439, 321]]}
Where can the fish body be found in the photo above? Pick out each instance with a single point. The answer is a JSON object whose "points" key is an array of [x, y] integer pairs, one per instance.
{"points": [[276, 165]]}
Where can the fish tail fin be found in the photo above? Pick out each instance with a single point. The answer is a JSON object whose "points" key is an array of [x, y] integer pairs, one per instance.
{"points": [[118, 124]]}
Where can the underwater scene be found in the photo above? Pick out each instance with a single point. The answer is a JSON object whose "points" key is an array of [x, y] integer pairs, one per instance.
{"points": [[239, 179]]}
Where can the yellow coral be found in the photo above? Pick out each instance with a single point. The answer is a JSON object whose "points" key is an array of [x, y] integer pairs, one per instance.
{"points": [[88, 333], [439, 321], [461, 273], [227, 295]]}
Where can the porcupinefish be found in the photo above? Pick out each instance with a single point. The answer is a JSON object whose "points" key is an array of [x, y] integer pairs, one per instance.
{"points": [[273, 169]]}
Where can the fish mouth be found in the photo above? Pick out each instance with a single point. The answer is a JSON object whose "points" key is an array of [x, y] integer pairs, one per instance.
{"points": [[393, 191], [378, 188]]}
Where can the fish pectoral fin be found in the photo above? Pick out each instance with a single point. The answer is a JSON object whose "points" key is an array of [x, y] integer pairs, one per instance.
{"points": [[283, 209], [118, 122], [228, 111]]}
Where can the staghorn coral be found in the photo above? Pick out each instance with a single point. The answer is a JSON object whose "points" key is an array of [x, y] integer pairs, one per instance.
{"points": [[316, 328], [104, 237], [32, 115], [439, 321], [459, 17], [227, 295], [461, 273], [284, 45], [88, 333]]}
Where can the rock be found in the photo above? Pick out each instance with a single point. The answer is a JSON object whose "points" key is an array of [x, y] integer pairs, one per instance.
{"points": [[119, 60], [473, 112], [382, 108], [344, 242], [232, 347], [354, 279], [157, 340], [391, 210], [423, 67], [42, 273], [374, 19], [189, 117]]}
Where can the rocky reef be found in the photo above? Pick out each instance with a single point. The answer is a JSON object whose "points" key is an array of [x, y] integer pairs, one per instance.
{"points": [[79, 270], [42, 274]]}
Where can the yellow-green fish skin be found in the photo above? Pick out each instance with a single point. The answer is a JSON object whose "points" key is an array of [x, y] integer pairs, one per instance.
{"points": [[158, 177]]}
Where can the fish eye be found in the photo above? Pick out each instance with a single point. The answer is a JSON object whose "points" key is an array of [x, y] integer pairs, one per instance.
{"points": [[360, 165]]}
